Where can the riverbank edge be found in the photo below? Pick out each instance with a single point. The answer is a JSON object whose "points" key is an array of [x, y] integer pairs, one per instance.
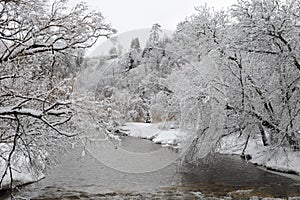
{"points": [[280, 159], [283, 160], [19, 184]]}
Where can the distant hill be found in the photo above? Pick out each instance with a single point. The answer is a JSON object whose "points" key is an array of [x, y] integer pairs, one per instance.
{"points": [[124, 39]]}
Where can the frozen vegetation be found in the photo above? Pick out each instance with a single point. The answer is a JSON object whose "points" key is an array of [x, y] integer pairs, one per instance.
{"points": [[225, 82], [41, 50], [22, 171]]}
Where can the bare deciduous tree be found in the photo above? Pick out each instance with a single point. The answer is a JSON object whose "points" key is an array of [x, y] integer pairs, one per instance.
{"points": [[256, 51], [38, 45]]}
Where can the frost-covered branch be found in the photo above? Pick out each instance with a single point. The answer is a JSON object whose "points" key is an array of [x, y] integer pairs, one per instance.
{"points": [[41, 51]]}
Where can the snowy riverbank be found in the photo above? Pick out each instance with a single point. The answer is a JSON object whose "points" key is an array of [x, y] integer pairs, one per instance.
{"points": [[281, 159], [155, 132]]}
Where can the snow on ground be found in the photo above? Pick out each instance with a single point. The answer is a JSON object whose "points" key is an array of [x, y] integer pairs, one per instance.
{"points": [[281, 159], [141, 130], [171, 137]]}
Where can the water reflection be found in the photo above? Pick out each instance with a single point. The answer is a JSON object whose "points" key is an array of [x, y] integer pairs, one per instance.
{"points": [[228, 173]]}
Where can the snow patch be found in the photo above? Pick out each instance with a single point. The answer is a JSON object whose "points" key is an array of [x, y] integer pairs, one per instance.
{"points": [[282, 159], [171, 137]]}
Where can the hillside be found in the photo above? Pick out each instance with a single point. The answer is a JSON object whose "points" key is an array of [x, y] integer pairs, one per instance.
{"points": [[124, 39]]}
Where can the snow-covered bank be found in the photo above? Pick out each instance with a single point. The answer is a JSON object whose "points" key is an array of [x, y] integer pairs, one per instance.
{"points": [[154, 132], [22, 170], [280, 159]]}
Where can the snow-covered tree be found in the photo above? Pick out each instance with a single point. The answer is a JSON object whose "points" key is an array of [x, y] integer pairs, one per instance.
{"points": [[113, 52], [132, 58], [37, 42], [154, 34], [135, 44], [155, 51], [256, 54], [269, 45]]}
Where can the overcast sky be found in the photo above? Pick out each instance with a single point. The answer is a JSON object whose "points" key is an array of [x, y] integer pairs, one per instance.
{"points": [[127, 15]]}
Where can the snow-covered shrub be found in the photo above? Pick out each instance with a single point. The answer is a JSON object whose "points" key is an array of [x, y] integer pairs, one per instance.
{"points": [[137, 109], [102, 93]]}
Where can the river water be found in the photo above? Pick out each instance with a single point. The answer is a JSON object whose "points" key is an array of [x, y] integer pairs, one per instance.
{"points": [[81, 176]]}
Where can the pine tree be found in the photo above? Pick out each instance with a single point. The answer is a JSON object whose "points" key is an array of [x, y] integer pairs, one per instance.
{"points": [[113, 52], [135, 44], [154, 34]]}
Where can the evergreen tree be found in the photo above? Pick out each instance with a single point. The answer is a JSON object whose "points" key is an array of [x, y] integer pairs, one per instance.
{"points": [[154, 34], [113, 52], [154, 50], [135, 44]]}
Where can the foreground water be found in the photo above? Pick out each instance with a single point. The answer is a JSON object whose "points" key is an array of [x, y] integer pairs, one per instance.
{"points": [[85, 177]]}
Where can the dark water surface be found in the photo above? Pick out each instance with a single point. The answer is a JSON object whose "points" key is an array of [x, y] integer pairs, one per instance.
{"points": [[84, 177]]}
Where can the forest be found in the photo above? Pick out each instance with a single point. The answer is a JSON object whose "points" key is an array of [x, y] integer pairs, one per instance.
{"points": [[223, 75]]}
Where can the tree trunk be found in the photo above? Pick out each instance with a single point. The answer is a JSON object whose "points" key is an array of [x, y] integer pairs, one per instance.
{"points": [[263, 135]]}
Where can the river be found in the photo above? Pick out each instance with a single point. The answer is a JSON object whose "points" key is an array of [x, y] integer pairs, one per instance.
{"points": [[79, 176]]}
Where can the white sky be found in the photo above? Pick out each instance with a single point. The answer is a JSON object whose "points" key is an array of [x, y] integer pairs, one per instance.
{"points": [[127, 15]]}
